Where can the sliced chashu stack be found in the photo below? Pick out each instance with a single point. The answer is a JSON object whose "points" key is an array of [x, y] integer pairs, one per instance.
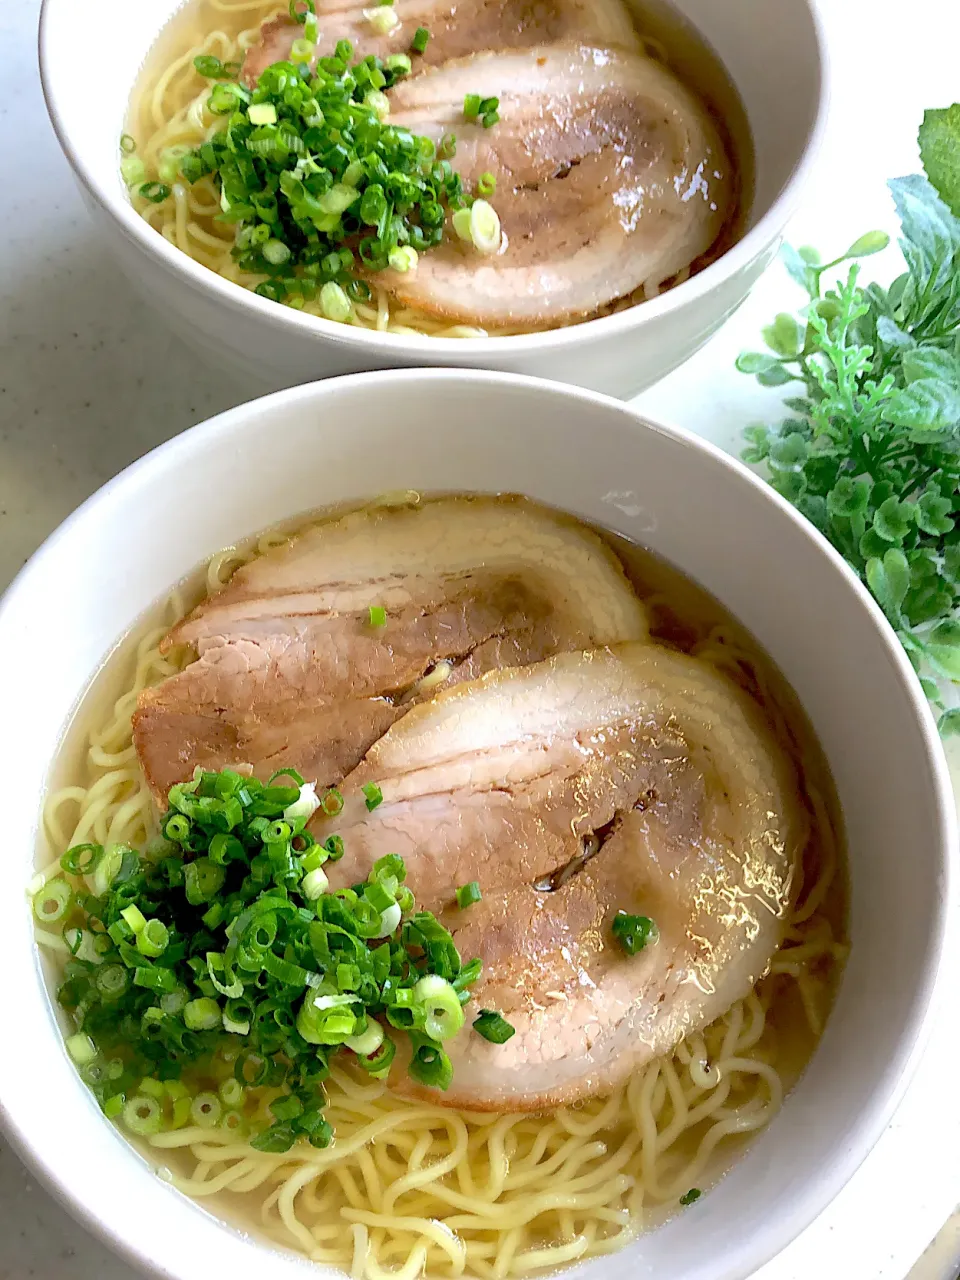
{"points": [[290, 672], [634, 779], [609, 175], [456, 30]]}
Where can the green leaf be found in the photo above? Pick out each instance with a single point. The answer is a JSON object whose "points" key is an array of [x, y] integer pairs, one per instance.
{"points": [[949, 722], [788, 452], [924, 362], [944, 659], [931, 689], [756, 362], [784, 336], [931, 233], [872, 242], [933, 514], [758, 443], [892, 520], [848, 497], [889, 331], [889, 579], [795, 266], [775, 376], [947, 632], [939, 140], [929, 408]]}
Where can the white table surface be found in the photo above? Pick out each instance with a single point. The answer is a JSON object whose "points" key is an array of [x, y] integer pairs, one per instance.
{"points": [[89, 380]]}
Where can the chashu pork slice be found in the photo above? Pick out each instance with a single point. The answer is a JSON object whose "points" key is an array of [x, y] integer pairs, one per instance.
{"points": [[455, 30], [610, 175], [632, 779], [291, 673]]}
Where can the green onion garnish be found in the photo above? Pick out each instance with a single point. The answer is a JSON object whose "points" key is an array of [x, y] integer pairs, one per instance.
{"points": [[421, 38], [493, 1027], [690, 1196], [634, 932], [229, 944], [52, 902], [208, 66], [490, 118], [128, 144], [468, 894], [486, 184], [372, 795], [471, 106], [377, 615], [155, 192]]}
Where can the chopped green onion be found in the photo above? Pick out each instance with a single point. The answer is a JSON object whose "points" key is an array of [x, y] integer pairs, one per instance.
{"points": [[389, 921], [127, 144], [334, 847], [484, 227], [300, 51], [112, 1106], [225, 947], [493, 1027], [486, 184], [368, 1041], [305, 806], [107, 870], [332, 802], [398, 64], [448, 146], [205, 1110], [152, 939], [132, 170], [53, 901], [134, 917], [208, 66], [468, 894], [377, 615], [461, 224], [232, 1092], [382, 19], [202, 1015], [81, 1049], [443, 1011], [490, 118], [471, 105], [372, 795], [334, 303], [634, 932], [203, 880], [403, 259], [377, 101], [314, 884], [421, 38], [431, 1066], [155, 192], [142, 1115], [690, 1196], [488, 104], [262, 113]]}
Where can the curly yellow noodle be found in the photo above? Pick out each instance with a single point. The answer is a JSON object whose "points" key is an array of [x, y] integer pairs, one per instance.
{"points": [[410, 1188]]}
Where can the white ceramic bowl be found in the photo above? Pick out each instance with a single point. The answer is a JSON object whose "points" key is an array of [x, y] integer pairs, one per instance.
{"points": [[772, 48], [444, 430]]}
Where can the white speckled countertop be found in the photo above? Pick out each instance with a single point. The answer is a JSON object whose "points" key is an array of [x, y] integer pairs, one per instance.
{"points": [[89, 381]]}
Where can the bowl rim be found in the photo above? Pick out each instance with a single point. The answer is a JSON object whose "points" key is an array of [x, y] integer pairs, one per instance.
{"points": [[871, 1122], [420, 347]]}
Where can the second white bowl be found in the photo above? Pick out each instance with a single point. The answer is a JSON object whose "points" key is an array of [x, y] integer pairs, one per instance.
{"points": [[773, 50]]}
